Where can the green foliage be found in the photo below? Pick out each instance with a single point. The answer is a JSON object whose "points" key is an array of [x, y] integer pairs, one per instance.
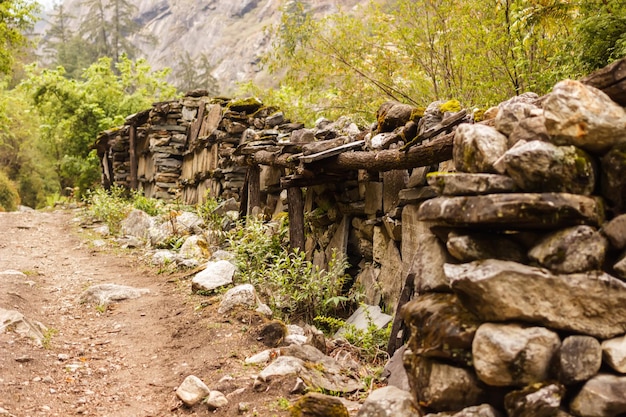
{"points": [[9, 198], [151, 206], [20, 156], [48, 334], [293, 286], [372, 342], [301, 290], [256, 245], [603, 33], [418, 51], [206, 211], [73, 112], [110, 206], [17, 17]]}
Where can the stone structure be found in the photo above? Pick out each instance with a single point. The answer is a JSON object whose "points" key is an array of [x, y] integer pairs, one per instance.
{"points": [[497, 231]]}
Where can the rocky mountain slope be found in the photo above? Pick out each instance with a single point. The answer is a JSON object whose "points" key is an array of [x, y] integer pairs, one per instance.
{"points": [[232, 35]]}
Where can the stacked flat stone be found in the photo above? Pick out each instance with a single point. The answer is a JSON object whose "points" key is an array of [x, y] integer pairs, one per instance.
{"points": [[521, 303]]}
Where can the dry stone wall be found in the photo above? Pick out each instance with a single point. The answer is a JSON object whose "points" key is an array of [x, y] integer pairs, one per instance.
{"points": [[520, 288], [506, 235]]}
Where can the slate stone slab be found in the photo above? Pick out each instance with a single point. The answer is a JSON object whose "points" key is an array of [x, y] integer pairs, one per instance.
{"points": [[592, 303], [513, 211]]}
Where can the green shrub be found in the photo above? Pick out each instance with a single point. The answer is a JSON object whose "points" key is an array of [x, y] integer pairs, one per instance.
{"points": [[293, 287], [371, 342], [110, 206], [151, 206], [256, 245], [9, 197]]}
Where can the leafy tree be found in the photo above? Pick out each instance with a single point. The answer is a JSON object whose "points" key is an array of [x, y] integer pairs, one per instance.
{"points": [[602, 31], [20, 156], [65, 48], [109, 26], [416, 51], [16, 18], [194, 74], [73, 112]]}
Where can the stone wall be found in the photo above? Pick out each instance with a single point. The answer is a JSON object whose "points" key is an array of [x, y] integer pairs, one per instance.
{"points": [[498, 231], [520, 277]]}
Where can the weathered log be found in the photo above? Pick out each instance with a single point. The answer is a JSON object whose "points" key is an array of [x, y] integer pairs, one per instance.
{"points": [[610, 79], [197, 124], [133, 157], [433, 152], [332, 152], [253, 177], [296, 218]]}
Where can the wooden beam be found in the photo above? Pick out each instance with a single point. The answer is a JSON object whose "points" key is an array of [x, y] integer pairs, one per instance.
{"points": [[436, 151], [309, 181], [331, 152], [296, 218], [197, 124], [133, 157], [254, 188], [274, 159]]}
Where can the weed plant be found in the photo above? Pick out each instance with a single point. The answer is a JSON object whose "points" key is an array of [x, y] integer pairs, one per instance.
{"points": [[294, 288], [109, 206], [151, 206]]}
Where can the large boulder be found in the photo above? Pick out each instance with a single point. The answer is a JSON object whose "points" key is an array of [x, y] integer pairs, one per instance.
{"points": [[537, 400], [583, 116], [613, 182], [215, 275], [137, 224], [614, 352], [575, 249], [474, 246], [423, 254], [578, 359], [602, 396], [510, 114], [593, 304], [389, 402], [542, 167], [441, 327], [442, 387], [461, 183], [192, 390], [512, 354], [477, 148]]}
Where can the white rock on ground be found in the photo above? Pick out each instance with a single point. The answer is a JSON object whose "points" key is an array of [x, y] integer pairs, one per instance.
{"points": [[108, 293], [192, 390], [215, 275]]}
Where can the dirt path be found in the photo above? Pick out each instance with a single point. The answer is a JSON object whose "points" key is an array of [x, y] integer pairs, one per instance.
{"points": [[127, 360]]}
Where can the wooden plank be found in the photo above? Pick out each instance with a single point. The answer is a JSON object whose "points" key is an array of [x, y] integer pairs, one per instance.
{"points": [[133, 156], [308, 181], [296, 218], [254, 188], [307, 159], [197, 124]]}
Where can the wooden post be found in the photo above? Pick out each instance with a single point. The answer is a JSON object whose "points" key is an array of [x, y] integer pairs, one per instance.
{"points": [[133, 157], [254, 188], [296, 218]]}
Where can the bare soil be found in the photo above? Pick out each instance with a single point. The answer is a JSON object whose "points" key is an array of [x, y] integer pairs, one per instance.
{"points": [[128, 359]]}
